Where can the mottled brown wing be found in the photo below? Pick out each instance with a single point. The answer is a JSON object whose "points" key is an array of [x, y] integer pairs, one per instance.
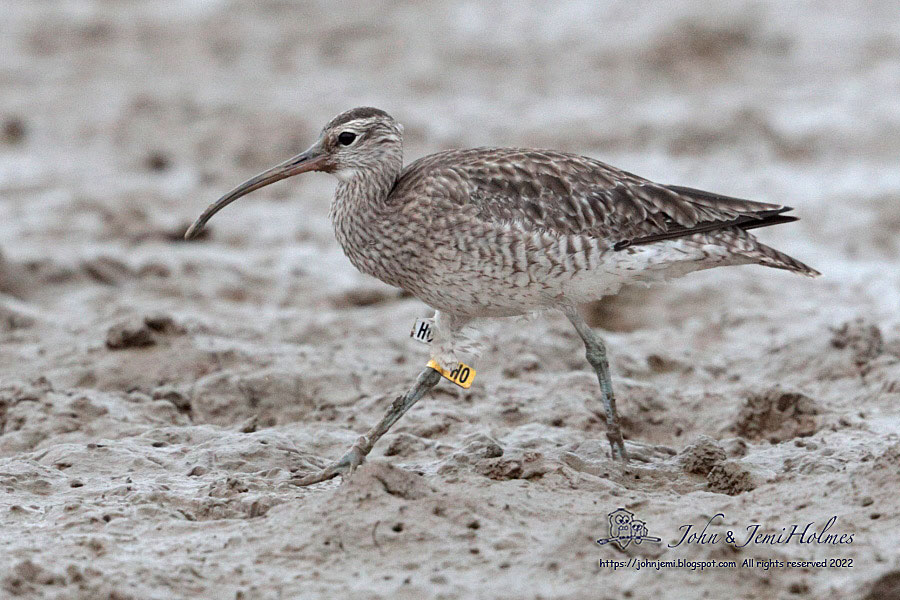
{"points": [[570, 194]]}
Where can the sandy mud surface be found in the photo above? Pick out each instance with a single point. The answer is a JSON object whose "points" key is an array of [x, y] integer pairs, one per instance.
{"points": [[157, 396]]}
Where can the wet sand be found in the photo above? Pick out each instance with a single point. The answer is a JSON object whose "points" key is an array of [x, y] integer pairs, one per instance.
{"points": [[158, 396]]}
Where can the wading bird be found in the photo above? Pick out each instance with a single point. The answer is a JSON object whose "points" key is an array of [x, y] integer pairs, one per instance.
{"points": [[497, 232]]}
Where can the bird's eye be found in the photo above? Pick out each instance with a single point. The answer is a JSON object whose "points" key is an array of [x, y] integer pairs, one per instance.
{"points": [[346, 138]]}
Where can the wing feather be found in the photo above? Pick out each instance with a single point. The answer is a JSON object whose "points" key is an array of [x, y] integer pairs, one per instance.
{"points": [[542, 190]]}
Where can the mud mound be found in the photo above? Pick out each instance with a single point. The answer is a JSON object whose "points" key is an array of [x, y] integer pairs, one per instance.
{"points": [[701, 456], [377, 477], [777, 415], [885, 587], [861, 338], [731, 477]]}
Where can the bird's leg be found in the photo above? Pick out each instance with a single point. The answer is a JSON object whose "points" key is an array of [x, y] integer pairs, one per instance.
{"points": [[360, 449], [595, 352]]}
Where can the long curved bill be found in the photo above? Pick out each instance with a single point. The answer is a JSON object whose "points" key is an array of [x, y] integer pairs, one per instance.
{"points": [[311, 160]]}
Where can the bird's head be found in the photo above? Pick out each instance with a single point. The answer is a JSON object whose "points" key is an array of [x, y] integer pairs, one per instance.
{"points": [[356, 142]]}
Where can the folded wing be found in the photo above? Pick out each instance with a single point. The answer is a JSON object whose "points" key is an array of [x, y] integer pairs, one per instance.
{"points": [[570, 194]]}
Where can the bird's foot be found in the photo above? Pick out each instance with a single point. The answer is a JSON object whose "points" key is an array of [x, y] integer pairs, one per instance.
{"points": [[345, 466], [649, 454], [617, 445]]}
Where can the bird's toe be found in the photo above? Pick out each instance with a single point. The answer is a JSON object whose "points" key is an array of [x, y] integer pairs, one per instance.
{"points": [[649, 453], [344, 466]]}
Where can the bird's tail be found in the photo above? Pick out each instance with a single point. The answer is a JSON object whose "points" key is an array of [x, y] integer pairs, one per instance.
{"points": [[755, 251], [771, 257]]}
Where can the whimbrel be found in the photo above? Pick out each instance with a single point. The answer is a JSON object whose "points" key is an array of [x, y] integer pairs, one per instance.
{"points": [[497, 232]]}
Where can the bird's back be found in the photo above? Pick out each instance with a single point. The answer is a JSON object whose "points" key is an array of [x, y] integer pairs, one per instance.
{"points": [[564, 193], [508, 230]]}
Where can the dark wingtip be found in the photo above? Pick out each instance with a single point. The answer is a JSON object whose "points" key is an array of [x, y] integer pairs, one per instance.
{"points": [[767, 219], [775, 219]]}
